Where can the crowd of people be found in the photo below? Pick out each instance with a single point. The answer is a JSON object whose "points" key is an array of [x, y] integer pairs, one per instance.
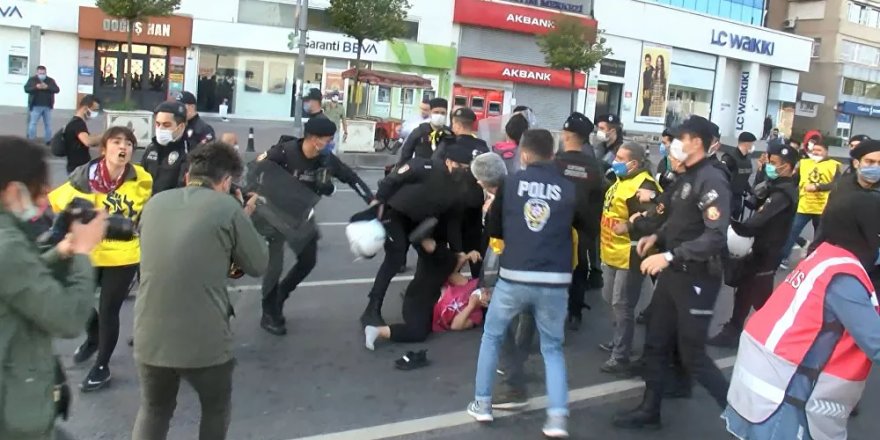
{"points": [[670, 235]]}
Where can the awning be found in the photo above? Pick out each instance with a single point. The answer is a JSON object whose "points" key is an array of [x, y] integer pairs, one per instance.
{"points": [[388, 79]]}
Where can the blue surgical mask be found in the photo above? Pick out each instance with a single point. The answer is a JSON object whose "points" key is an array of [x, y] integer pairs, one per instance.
{"points": [[42, 77], [619, 168], [877, 261], [771, 171], [662, 149], [870, 174]]}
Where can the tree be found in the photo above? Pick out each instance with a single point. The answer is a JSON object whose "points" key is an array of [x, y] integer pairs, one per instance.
{"points": [[568, 47], [134, 11], [376, 20]]}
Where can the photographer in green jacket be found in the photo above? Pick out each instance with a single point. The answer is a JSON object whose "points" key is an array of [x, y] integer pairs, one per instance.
{"points": [[41, 296]]}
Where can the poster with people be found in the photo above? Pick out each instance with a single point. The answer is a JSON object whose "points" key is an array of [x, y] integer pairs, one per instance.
{"points": [[651, 102]]}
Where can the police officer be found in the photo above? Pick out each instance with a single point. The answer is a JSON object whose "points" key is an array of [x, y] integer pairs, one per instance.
{"points": [[609, 137], [579, 165], [739, 163], [770, 225], [303, 159], [197, 130], [416, 191], [165, 157], [853, 143], [425, 139], [692, 238]]}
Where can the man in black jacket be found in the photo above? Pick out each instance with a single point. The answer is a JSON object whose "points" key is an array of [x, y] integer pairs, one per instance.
{"points": [[165, 157], [427, 137], [41, 90], [303, 159], [197, 130]]}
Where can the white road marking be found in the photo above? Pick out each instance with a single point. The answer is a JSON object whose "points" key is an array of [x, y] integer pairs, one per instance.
{"points": [[327, 283], [458, 418]]}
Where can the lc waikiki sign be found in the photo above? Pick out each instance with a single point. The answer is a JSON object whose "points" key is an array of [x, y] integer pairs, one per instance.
{"points": [[743, 100], [519, 73], [743, 43], [508, 17]]}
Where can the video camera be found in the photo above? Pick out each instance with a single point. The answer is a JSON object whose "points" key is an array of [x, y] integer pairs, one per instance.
{"points": [[118, 227]]}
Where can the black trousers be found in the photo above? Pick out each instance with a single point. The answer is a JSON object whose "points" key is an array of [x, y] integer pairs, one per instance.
{"points": [[681, 311], [275, 292], [753, 291], [432, 271], [102, 328], [577, 290], [472, 236], [397, 228], [515, 351]]}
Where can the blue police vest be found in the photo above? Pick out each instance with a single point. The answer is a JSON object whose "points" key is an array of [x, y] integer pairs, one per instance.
{"points": [[538, 210]]}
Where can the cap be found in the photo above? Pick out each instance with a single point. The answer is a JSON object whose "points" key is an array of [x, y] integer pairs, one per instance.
{"points": [[461, 153], [699, 126], [489, 168], [788, 154], [516, 126], [716, 132], [176, 108], [859, 138], [746, 137], [313, 95], [187, 98], [520, 108], [865, 147], [465, 113], [610, 118], [438, 103], [320, 127], [579, 124]]}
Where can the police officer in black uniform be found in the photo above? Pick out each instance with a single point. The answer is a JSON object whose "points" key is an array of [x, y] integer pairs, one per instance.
{"points": [[777, 201], [693, 237], [425, 138], [741, 171], [303, 159], [853, 143], [609, 137], [719, 154], [584, 170], [198, 131], [417, 191], [165, 157]]}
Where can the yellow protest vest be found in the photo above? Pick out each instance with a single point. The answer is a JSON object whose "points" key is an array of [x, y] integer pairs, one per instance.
{"points": [[128, 200], [615, 248], [818, 174], [497, 246]]}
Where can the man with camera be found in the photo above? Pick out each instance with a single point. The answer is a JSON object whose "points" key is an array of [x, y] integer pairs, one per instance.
{"points": [[41, 297], [182, 311]]}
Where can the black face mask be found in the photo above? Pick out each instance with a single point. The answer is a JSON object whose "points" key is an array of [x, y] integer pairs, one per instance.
{"points": [[459, 175]]}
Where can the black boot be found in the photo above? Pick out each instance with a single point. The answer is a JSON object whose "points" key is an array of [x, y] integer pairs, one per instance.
{"points": [[373, 314], [272, 320], [646, 416]]}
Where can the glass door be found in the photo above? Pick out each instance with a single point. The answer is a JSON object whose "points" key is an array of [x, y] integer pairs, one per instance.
{"points": [[149, 74]]}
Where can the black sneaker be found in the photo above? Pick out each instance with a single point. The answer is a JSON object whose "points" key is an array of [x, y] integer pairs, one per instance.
{"points": [[98, 378], [273, 325], [728, 337], [510, 400], [84, 352], [617, 367], [573, 323]]}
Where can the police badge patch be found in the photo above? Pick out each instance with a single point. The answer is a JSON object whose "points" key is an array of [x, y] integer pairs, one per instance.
{"points": [[403, 169], [536, 212], [713, 214], [172, 157], [685, 190]]}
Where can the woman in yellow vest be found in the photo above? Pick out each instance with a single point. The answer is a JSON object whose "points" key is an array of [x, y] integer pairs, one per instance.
{"points": [[114, 184], [633, 192], [817, 175]]}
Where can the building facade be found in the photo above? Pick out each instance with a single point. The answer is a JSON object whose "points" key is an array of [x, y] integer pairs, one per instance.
{"points": [[731, 73], [840, 96], [745, 11]]}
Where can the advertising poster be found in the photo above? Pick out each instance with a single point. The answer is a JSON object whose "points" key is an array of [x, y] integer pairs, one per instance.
{"points": [[651, 99]]}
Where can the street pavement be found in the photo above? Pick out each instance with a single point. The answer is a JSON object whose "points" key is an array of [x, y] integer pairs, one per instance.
{"points": [[320, 382]]}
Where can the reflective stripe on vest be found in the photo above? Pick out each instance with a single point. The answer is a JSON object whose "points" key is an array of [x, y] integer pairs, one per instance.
{"points": [[615, 249], [778, 337], [815, 173]]}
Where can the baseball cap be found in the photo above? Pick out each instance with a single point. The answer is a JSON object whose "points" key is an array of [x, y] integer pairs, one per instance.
{"points": [[465, 114], [313, 95], [176, 108], [320, 127], [187, 98], [788, 154], [579, 124]]}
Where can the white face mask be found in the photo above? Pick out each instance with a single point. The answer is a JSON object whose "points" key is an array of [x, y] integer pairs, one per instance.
{"points": [[601, 136], [438, 120], [816, 157], [93, 114], [28, 209], [676, 150], [164, 136]]}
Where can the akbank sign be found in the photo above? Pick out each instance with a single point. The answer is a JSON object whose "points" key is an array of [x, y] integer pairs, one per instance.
{"points": [[744, 43]]}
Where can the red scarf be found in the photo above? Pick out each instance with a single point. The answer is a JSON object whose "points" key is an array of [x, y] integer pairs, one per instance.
{"points": [[102, 182]]}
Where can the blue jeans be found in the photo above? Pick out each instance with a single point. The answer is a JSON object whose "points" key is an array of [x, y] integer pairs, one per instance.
{"points": [[549, 306], [36, 113], [800, 221]]}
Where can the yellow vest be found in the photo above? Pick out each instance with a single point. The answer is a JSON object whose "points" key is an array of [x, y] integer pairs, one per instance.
{"points": [[819, 173], [497, 246], [128, 200], [615, 248]]}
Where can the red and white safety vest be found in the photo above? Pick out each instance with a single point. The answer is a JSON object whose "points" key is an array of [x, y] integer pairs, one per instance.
{"points": [[777, 337]]}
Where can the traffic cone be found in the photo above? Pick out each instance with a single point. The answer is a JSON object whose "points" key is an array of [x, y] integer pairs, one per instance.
{"points": [[250, 144]]}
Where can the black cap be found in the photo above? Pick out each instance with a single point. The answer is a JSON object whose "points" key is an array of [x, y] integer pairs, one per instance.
{"points": [[320, 127], [716, 132], [313, 95], [788, 154], [461, 152], [859, 138], [438, 103], [865, 147], [746, 137], [187, 98], [698, 126], [516, 126], [174, 107], [520, 108], [579, 124], [610, 118], [465, 114]]}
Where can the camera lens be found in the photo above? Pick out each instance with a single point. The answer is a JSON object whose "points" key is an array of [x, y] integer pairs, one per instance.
{"points": [[119, 228]]}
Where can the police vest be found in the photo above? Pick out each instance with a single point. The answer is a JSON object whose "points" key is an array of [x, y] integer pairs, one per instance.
{"points": [[615, 249], [817, 174], [778, 337], [128, 201], [538, 210]]}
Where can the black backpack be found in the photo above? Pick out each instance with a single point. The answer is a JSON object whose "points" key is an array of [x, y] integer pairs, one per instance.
{"points": [[58, 144]]}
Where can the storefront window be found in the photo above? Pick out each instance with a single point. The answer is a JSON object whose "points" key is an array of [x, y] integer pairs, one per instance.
{"points": [[383, 95], [684, 102], [861, 89], [406, 96], [217, 80]]}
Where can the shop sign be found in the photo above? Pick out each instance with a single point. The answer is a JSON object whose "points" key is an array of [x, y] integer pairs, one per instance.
{"points": [[552, 4], [519, 73], [856, 109], [10, 11], [86, 71], [743, 97], [174, 30], [347, 47], [743, 42], [495, 15], [806, 109], [122, 25], [612, 68]]}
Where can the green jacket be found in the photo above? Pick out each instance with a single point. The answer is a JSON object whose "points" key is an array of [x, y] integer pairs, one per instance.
{"points": [[34, 309], [189, 236]]}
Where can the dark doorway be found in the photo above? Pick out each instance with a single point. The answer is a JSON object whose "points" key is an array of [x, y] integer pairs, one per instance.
{"points": [[149, 68], [608, 98]]}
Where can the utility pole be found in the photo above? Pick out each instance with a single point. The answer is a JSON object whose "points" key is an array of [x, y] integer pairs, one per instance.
{"points": [[299, 71]]}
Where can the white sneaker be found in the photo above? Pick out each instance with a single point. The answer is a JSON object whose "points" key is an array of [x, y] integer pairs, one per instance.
{"points": [[556, 427], [480, 411]]}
